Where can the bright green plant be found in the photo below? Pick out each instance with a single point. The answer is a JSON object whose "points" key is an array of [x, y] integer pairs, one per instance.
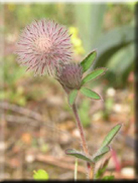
{"points": [[84, 112], [40, 175]]}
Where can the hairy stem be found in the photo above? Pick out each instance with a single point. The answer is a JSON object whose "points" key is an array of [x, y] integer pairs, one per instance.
{"points": [[83, 141], [84, 146]]}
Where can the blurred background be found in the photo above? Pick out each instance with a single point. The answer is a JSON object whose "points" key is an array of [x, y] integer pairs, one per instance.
{"points": [[36, 123]]}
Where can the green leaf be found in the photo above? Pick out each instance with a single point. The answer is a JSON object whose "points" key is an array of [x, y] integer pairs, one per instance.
{"points": [[89, 93], [110, 136], [116, 59], [100, 153], [77, 154], [108, 177], [117, 38], [72, 96], [92, 12], [94, 75], [87, 62], [104, 147], [41, 175], [123, 68], [101, 169]]}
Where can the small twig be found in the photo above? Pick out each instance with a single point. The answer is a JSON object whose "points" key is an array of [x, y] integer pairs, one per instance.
{"points": [[31, 122], [30, 114], [58, 162], [21, 110]]}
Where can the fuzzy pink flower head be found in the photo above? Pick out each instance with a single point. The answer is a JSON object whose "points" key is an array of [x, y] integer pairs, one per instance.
{"points": [[70, 76], [44, 46]]}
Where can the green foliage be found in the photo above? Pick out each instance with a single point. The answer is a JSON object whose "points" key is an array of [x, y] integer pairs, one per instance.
{"points": [[72, 96], [110, 136], [118, 12], [108, 177], [101, 169], [78, 155], [92, 18], [89, 93], [94, 159], [117, 38], [94, 75], [109, 38], [15, 95], [40, 175], [109, 102], [115, 50], [84, 112], [12, 74], [123, 60], [99, 155], [87, 62], [104, 149]]}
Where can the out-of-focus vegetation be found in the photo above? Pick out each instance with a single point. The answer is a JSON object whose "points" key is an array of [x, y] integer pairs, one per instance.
{"points": [[22, 14], [40, 175], [84, 112], [107, 27]]}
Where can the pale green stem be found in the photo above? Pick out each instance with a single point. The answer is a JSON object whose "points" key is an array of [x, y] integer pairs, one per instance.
{"points": [[76, 169]]}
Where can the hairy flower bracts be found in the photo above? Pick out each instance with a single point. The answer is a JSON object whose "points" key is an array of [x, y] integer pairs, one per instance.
{"points": [[72, 80], [44, 46], [70, 77]]}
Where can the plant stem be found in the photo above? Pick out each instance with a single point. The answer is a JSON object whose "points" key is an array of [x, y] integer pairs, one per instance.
{"points": [[83, 141], [84, 146], [76, 169]]}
